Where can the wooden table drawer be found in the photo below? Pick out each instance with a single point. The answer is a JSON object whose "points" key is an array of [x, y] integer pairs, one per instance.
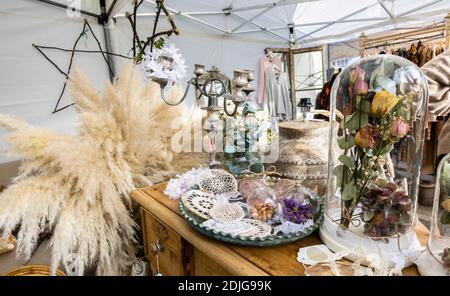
{"points": [[176, 254]]}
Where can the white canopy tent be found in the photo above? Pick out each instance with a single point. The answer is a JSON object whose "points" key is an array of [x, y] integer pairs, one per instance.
{"points": [[229, 34]]}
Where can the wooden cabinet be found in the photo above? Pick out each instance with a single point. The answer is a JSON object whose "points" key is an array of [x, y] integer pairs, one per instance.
{"points": [[173, 252], [182, 251]]}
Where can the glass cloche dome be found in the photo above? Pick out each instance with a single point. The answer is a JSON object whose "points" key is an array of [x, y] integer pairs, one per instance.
{"points": [[375, 160], [436, 259]]}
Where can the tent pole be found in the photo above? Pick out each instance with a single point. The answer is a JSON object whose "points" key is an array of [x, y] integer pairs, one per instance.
{"points": [[315, 24], [103, 20], [252, 18], [54, 3], [262, 28], [391, 15], [262, 6]]}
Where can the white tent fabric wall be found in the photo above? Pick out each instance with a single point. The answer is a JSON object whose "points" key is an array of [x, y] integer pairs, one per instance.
{"points": [[29, 84]]}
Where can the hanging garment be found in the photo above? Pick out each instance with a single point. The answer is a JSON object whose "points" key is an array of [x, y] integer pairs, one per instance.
{"points": [[420, 54], [284, 100], [437, 72], [266, 62], [271, 92]]}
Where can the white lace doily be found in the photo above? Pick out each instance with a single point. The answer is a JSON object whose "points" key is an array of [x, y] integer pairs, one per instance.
{"points": [[199, 202], [248, 228], [234, 228], [184, 182], [219, 182], [288, 227], [227, 213]]}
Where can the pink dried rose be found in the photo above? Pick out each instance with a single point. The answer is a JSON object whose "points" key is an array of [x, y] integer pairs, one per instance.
{"points": [[356, 75], [367, 137], [361, 88], [399, 128]]}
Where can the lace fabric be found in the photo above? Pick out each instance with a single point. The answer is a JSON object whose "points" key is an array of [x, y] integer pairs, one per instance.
{"points": [[219, 182]]}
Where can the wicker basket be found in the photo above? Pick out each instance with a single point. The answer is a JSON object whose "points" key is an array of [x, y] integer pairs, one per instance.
{"points": [[34, 270]]}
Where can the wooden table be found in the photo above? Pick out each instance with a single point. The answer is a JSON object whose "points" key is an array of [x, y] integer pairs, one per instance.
{"points": [[188, 253]]}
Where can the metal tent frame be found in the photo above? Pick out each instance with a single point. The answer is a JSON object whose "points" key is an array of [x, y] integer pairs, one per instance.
{"points": [[292, 28], [277, 32]]}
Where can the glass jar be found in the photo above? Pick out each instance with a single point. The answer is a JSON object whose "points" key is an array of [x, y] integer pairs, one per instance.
{"points": [[436, 260], [373, 180], [244, 134]]}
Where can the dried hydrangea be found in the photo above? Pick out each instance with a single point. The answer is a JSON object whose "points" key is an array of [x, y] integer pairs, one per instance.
{"points": [[386, 210]]}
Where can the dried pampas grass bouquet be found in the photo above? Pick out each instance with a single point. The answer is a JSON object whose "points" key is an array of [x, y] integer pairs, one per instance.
{"points": [[78, 186]]}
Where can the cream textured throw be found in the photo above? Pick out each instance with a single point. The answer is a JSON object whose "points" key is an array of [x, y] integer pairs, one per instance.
{"points": [[438, 76]]}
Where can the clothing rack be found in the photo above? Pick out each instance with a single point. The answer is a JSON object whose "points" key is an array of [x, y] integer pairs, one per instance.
{"points": [[442, 29], [423, 39]]}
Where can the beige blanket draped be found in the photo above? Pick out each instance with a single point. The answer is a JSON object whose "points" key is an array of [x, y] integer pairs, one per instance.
{"points": [[437, 72]]}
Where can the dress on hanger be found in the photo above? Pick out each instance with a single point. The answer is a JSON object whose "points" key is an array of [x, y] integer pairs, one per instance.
{"points": [[271, 92], [274, 88], [285, 96]]}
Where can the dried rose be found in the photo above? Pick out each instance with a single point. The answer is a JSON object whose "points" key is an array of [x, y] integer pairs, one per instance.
{"points": [[361, 88], [383, 102], [367, 137], [399, 128], [356, 74]]}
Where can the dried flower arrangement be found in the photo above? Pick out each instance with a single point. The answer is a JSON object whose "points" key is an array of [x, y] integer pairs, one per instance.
{"points": [[381, 119], [78, 187]]}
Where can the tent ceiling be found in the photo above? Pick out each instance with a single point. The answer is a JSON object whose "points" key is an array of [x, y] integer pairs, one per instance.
{"points": [[312, 21]]}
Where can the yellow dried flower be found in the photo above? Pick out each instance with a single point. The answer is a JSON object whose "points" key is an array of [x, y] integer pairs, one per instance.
{"points": [[383, 102]]}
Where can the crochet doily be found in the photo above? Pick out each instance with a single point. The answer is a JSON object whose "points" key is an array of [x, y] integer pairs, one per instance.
{"points": [[234, 228], [261, 229], [219, 182], [199, 202], [288, 227], [227, 213], [243, 228]]}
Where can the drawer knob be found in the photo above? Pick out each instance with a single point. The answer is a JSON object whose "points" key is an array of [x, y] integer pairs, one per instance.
{"points": [[157, 247]]}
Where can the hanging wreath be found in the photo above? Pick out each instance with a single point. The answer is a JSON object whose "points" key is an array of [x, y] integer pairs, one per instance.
{"points": [[166, 63]]}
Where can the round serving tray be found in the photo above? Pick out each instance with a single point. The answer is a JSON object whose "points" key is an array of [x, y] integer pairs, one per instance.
{"points": [[194, 222]]}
